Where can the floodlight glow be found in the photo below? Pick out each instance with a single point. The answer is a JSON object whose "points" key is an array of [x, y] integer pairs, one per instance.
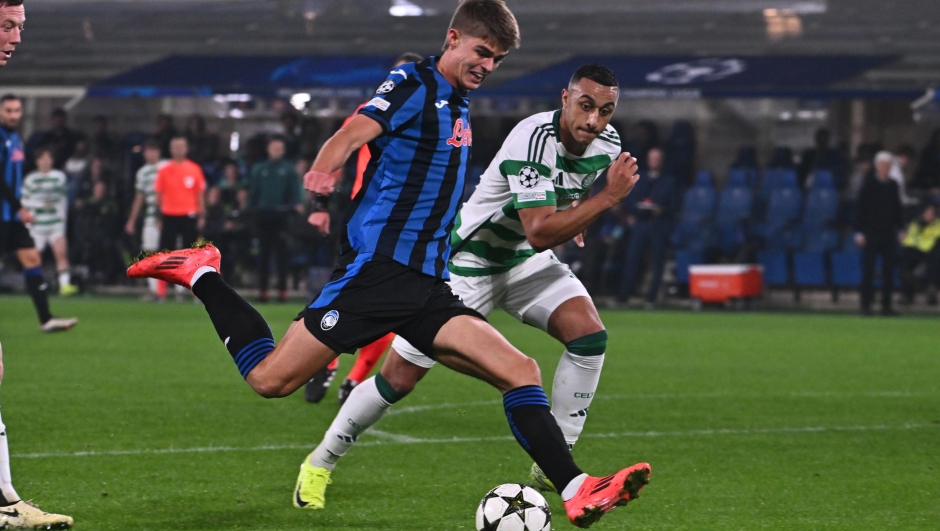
{"points": [[234, 142], [404, 8]]}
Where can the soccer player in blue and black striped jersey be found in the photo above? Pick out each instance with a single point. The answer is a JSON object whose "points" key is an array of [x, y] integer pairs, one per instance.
{"points": [[14, 234], [393, 267]]}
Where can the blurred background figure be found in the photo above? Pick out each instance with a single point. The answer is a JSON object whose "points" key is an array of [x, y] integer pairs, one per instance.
{"points": [[97, 222], [60, 138], [879, 220], [145, 201], [45, 195], [650, 210], [180, 190], [919, 248], [274, 195]]}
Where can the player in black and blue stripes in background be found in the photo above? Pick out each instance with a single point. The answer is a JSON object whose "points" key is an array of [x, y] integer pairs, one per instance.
{"points": [[393, 265]]}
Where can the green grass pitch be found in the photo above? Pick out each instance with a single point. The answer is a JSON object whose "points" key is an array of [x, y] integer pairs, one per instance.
{"points": [[138, 420]]}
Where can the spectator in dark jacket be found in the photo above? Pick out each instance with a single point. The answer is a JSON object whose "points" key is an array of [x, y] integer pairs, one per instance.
{"points": [[274, 193], [650, 209], [879, 222]]}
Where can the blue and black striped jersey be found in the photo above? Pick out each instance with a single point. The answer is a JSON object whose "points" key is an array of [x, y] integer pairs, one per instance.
{"points": [[12, 157], [412, 187]]}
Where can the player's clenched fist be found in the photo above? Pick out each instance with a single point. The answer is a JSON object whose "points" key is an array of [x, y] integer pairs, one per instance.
{"points": [[319, 182], [622, 176]]}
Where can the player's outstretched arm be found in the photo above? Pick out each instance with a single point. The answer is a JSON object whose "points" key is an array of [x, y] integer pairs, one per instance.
{"points": [[546, 227], [130, 227], [323, 175]]}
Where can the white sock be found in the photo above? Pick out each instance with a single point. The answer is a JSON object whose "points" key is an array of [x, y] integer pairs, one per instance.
{"points": [[64, 278], [197, 275], [6, 480], [569, 491], [364, 407], [152, 283], [573, 390]]}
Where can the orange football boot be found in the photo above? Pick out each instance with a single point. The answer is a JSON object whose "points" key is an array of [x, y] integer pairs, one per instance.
{"points": [[597, 496], [177, 267]]}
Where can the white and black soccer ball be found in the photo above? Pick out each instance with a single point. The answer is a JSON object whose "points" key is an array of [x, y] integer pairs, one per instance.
{"points": [[529, 176], [513, 507]]}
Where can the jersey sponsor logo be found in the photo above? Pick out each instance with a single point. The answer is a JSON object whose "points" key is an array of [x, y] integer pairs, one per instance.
{"points": [[329, 320], [462, 135], [529, 177], [379, 104], [526, 197], [386, 87], [441, 104]]}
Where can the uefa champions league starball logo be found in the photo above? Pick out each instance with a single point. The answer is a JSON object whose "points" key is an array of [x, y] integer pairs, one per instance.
{"points": [[386, 87], [706, 70], [329, 320], [529, 176]]}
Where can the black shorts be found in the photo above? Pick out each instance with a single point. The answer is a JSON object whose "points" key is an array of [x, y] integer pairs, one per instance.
{"points": [[368, 297], [182, 226], [14, 236]]}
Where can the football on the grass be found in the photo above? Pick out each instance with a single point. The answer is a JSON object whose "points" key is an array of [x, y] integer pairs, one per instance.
{"points": [[513, 507]]}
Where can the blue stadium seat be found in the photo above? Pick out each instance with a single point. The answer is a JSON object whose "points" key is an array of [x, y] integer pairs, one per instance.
{"points": [[775, 178], [822, 207], [705, 179], [684, 259], [823, 180], [734, 209], [846, 269], [820, 240], [742, 177], [698, 208], [809, 269], [786, 239], [775, 267], [782, 209]]}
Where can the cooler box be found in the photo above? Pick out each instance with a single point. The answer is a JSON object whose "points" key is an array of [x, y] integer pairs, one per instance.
{"points": [[721, 283]]}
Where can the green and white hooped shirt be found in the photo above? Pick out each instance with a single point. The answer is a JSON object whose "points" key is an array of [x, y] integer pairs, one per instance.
{"points": [[45, 195], [532, 169], [146, 177]]}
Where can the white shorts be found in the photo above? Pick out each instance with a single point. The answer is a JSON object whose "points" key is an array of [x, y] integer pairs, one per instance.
{"points": [[530, 292], [46, 235], [150, 236]]}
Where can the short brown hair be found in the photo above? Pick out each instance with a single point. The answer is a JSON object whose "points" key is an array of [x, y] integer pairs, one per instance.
{"points": [[489, 20]]}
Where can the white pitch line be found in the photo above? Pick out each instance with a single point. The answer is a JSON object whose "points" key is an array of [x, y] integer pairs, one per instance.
{"points": [[668, 396], [393, 439]]}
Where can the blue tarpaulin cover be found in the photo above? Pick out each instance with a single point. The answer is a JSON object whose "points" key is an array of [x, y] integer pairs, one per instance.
{"points": [[713, 77], [266, 75], [814, 77]]}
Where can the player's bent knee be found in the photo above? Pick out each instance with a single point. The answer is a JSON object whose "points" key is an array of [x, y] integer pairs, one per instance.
{"points": [[527, 372], [268, 387]]}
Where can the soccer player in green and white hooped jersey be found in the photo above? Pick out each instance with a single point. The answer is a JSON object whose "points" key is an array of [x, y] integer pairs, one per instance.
{"points": [[533, 196], [45, 196], [146, 200]]}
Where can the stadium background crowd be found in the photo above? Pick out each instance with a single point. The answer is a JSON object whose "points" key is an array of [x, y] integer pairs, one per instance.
{"points": [[662, 223]]}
